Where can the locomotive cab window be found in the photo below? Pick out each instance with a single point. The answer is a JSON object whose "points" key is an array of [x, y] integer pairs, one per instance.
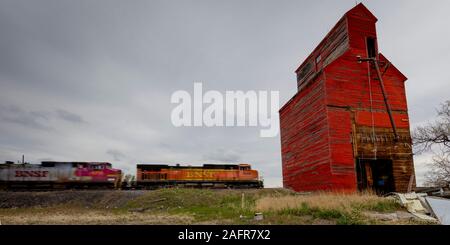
{"points": [[371, 47], [97, 167]]}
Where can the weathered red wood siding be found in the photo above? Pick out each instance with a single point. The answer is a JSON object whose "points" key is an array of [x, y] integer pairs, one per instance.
{"points": [[341, 158], [305, 150], [327, 125], [331, 47]]}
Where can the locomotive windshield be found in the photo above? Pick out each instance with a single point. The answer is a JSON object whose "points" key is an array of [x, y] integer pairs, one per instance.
{"points": [[97, 167]]}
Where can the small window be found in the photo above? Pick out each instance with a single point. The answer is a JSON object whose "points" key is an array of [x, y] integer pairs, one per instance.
{"points": [[318, 58], [371, 47], [97, 167], [304, 72], [79, 165], [317, 61]]}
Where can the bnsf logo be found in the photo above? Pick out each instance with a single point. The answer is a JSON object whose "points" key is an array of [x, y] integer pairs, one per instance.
{"points": [[199, 174], [31, 173]]}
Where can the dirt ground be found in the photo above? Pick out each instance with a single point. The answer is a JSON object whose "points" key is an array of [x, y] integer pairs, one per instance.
{"points": [[194, 206], [110, 207], [88, 198], [88, 217]]}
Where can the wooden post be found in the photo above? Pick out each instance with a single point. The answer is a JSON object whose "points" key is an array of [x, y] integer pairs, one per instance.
{"points": [[411, 181]]}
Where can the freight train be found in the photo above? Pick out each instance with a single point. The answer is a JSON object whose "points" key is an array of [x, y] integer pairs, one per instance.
{"points": [[52, 175], [151, 176], [59, 175]]}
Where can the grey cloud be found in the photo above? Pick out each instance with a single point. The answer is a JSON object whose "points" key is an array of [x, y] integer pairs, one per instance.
{"points": [[69, 116], [16, 115], [36, 119], [116, 154], [223, 155]]}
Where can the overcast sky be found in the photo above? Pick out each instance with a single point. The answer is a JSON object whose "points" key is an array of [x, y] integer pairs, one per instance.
{"points": [[92, 80]]}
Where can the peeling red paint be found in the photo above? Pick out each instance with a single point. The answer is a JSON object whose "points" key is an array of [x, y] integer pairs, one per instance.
{"points": [[339, 116]]}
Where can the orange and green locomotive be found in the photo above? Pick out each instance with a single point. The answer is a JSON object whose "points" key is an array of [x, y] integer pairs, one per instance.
{"points": [[151, 176]]}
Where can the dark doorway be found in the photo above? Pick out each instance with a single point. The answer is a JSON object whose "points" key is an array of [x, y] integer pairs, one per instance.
{"points": [[371, 47], [375, 175]]}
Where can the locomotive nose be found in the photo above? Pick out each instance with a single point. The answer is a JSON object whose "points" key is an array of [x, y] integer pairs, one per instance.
{"points": [[118, 172]]}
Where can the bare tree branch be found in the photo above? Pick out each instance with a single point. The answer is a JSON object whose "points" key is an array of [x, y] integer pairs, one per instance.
{"points": [[436, 134]]}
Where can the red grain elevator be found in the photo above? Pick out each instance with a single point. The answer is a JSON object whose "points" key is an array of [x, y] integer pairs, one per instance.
{"points": [[347, 128]]}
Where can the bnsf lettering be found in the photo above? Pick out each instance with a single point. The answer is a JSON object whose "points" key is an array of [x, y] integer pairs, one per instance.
{"points": [[199, 174], [23, 173]]}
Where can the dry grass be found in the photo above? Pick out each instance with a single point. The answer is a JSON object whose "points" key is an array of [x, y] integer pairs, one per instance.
{"points": [[338, 208], [326, 201]]}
